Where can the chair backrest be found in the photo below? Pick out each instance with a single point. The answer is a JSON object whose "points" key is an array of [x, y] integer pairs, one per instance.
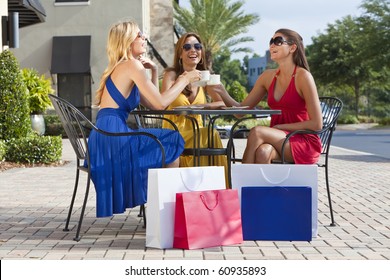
{"points": [[331, 108], [77, 128], [76, 125], [147, 121], [151, 121]]}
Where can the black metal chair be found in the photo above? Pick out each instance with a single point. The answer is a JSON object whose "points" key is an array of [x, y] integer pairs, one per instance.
{"points": [[77, 128], [331, 109], [150, 120]]}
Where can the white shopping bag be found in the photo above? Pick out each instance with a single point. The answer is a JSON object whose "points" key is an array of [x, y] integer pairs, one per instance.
{"points": [[163, 184], [291, 175]]}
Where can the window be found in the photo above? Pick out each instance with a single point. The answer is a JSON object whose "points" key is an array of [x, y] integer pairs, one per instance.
{"points": [[76, 88]]}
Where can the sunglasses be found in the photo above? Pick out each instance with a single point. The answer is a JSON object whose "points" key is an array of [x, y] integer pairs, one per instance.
{"points": [[197, 46], [277, 41], [141, 35]]}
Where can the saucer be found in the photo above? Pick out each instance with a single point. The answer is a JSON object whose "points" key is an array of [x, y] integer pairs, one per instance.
{"points": [[201, 83]]}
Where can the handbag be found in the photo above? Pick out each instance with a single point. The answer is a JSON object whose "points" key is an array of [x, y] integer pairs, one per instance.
{"points": [[287, 175], [276, 213], [207, 219], [163, 184]]}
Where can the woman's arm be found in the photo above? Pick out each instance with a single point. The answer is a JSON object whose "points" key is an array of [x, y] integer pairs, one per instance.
{"points": [[257, 93], [169, 78], [149, 64], [219, 90], [150, 93]]}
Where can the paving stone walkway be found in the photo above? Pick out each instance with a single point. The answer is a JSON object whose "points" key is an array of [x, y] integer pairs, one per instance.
{"points": [[34, 204]]}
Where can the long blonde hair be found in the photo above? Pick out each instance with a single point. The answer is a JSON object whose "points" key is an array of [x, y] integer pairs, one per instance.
{"points": [[120, 37]]}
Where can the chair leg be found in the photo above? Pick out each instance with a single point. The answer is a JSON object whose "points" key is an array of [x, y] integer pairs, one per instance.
{"points": [[77, 238], [72, 200], [329, 198], [142, 213]]}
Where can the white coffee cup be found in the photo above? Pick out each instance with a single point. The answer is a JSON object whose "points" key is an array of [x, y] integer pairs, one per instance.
{"points": [[214, 80], [205, 75]]}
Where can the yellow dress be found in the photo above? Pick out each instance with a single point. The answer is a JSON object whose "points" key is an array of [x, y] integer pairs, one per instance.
{"points": [[185, 128]]}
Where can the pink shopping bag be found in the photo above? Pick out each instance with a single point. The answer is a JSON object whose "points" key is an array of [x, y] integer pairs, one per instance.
{"points": [[207, 219]]}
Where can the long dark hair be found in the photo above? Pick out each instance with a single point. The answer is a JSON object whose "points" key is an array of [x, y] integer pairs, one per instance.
{"points": [[178, 65], [292, 38]]}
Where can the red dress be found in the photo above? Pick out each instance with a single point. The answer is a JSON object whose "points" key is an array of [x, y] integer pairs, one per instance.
{"points": [[305, 148]]}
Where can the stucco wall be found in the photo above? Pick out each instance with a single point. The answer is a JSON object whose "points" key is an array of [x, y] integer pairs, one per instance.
{"points": [[3, 12], [153, 17], [162, 36]]}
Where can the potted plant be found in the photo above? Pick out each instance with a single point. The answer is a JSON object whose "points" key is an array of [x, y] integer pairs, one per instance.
{"points": [[38, 88]]}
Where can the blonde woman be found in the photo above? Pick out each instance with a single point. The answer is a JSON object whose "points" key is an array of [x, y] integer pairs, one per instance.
{"points": [[119, 164]]}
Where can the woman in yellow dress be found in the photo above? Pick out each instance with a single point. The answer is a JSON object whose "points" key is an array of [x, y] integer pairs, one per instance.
{"points": [[189, 55]]}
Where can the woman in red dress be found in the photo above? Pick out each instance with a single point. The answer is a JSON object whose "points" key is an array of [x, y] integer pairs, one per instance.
{"points": [[291, 89]]}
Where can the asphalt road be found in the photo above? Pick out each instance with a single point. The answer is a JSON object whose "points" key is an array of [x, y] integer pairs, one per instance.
{"points": [[373, 141]]}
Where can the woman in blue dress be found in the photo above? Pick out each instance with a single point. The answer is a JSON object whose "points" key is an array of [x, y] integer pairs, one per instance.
{"points": [[119, 165]]}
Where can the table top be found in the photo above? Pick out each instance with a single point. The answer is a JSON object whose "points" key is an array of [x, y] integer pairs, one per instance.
{"points": [[200, 111]]}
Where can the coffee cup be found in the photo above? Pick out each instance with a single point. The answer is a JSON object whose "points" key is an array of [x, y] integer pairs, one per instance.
{"points": [[214, 80], [205, 77], [205, 74]]}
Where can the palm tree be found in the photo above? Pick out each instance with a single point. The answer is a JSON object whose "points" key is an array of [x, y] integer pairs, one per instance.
{"points": [[218, 22]]}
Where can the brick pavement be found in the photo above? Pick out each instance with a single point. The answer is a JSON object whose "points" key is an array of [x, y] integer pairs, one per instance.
{"points": [[34, 203]]}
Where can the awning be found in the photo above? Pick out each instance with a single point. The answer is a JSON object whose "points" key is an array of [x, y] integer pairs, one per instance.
{"points": [[30, 11], [71, 54]]}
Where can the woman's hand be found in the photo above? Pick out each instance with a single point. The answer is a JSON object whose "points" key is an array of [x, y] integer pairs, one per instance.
{"points": [[191, 76], [216, 89], [220, 91], [147, 63]]}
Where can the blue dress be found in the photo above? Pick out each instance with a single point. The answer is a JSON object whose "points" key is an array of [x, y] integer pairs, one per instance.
{"points": [[119, 165]]}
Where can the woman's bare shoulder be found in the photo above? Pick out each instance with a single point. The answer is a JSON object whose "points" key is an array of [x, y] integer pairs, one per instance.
{"points": [[302, 72], [302, 75], [268, 74], [169, 73], [266, 77]]}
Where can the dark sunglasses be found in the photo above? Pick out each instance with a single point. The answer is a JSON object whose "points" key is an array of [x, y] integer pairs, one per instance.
{"points": [[197, 46], [277, 41]]}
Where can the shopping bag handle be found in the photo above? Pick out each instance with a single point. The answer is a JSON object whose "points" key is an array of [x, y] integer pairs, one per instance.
{"points": [[193, 181], [273, 181], [202, 197]]}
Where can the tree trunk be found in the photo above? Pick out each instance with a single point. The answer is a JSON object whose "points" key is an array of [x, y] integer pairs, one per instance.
{"points": [[357, 95], [209, 61]]}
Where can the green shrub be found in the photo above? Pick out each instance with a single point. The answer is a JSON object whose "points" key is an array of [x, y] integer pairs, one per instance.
{"points": [[35, 149], [14, 114], [247, 123], [237, 91], [381, 111], [3, 150], [385, 121], [52, 118], [367, 119], [53, 126], [348, 119], [39, 89]]}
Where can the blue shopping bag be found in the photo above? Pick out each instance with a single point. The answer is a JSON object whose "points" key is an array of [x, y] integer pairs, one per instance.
{"points": [[276, 213]]}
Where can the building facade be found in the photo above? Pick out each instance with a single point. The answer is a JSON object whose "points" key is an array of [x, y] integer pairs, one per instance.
{"points": [[256, 66], [70, 45], [16, 14]]}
